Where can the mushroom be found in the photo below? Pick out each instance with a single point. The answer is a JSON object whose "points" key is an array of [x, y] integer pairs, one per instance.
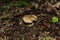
{"points": [[29, 18]]}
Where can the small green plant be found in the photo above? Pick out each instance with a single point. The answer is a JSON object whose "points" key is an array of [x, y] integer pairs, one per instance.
{"points": [[20, 4], [54, 19], [46, 38]]}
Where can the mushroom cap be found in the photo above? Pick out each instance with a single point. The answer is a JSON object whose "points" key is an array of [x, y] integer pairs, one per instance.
{"points": [[29, 18]]}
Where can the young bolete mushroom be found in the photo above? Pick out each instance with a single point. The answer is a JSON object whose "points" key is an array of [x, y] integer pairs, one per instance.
{"points": [[29, 18]]}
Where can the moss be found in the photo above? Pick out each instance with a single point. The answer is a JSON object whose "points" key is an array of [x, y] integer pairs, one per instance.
{"points": [[54, 19]]}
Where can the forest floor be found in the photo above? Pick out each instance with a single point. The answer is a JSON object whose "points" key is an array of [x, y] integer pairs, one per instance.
{"points": [[30, 21]]}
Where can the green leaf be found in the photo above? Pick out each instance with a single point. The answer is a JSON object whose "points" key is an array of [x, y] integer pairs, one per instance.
{"points": [[46, 38], [54, 19]]}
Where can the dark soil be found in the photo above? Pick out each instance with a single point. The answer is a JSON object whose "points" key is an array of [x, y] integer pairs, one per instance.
{"points": [[12, 26]]}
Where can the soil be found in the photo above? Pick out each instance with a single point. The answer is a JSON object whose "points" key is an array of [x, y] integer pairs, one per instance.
{"points": [[12, 26]]}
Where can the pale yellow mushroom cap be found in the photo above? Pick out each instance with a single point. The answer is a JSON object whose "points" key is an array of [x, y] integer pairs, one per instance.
{"points": [[29, 18]]}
